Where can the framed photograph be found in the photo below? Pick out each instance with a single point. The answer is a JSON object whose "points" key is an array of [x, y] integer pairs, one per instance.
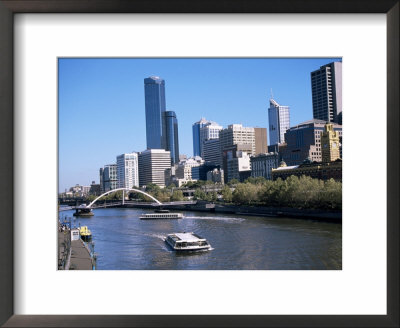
{"points": [[98, 97]]}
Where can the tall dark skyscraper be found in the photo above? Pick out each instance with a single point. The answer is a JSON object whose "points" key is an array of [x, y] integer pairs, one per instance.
{"points": [[161, 125], [170, 134], [326, 84], [154, 94]]}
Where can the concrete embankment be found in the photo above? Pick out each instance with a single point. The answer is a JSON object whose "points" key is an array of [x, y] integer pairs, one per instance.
{"points": [[201, 206]]}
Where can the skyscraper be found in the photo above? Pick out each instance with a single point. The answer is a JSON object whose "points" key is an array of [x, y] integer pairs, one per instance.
{"points": [[154, 94], [170, 135], [208, 131], [237, 134], [108, 178], [212, 151], [127, 170], [260, 135], [234, 140], [279, 122], [326, 84], [196, 136], [152, 166]]}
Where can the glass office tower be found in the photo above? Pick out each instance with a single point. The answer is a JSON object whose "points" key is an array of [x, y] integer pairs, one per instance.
{"points": [[170, 133], [279, 122], [196, 136], [154, 93]]}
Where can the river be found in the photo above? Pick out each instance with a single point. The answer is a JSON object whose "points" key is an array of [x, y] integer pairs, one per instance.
{"points": [[124, 242]]}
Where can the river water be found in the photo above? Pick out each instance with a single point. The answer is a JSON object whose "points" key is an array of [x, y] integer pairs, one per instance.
{"points": [[124, 242]]}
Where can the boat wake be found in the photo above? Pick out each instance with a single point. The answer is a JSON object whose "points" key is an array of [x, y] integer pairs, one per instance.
{"points": [[219, 218], [157, 236]]}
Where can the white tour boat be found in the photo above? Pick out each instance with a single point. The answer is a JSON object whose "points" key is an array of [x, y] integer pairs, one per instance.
{"points": [[187, 241], [161, 216]]}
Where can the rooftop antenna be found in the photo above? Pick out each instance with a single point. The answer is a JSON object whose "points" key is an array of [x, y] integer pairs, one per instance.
{"points": [[272, 95]]}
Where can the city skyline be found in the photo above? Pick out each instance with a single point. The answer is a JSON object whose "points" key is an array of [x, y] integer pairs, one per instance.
{"points": [[102, 111]]}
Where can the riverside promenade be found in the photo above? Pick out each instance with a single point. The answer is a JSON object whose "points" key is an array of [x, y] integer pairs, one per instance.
{"points": [[73, 255]]}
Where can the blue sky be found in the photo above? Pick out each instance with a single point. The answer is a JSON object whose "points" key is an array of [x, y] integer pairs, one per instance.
{"points": [[102, 113]]}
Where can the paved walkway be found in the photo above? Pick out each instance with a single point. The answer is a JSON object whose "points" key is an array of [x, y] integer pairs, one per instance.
{"points": [[80, 257]]}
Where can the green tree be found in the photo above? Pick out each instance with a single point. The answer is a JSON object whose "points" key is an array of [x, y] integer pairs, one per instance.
{"points": [[331, 195], [233, 182], [199, 195], [188, 184], [245, 193], [256, 180], [152, 188], [214, 196], [171, 186], [91, 198], [227, 194], [177, 195]]}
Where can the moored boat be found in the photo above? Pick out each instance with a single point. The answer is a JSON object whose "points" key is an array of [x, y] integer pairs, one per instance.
{"points": [[161, 216], [85, 233], [187, 241]]}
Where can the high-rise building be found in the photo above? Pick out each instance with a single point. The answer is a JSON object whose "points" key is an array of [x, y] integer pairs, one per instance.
{"points": [[207, 132], [238, 164], [326, 86], [233, 139], [127, 170], [154, 94], [212, 151], [110, 180], [170, 135], [260, 137], [262, 164], [279, 122], [303, 142], [236, 134], [152, 166], [196, 136], [330, 142]]}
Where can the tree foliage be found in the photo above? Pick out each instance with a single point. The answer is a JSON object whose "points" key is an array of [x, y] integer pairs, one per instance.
{"points": [[199, 195], [227, 194], [177, 195], [303, 192]]}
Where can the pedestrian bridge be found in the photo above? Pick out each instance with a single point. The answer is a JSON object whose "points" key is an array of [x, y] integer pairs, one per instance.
{"points": [[87, 208], [123, 195]]}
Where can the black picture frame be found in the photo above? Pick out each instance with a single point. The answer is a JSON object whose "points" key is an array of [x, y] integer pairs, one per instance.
{"points": [[7, 236]]}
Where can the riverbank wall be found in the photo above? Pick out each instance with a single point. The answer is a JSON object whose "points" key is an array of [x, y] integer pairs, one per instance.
{"points": [[285, 212]]}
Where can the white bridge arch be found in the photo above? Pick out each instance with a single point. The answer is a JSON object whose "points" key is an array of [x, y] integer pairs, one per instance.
{"points": [[124, 189]]}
